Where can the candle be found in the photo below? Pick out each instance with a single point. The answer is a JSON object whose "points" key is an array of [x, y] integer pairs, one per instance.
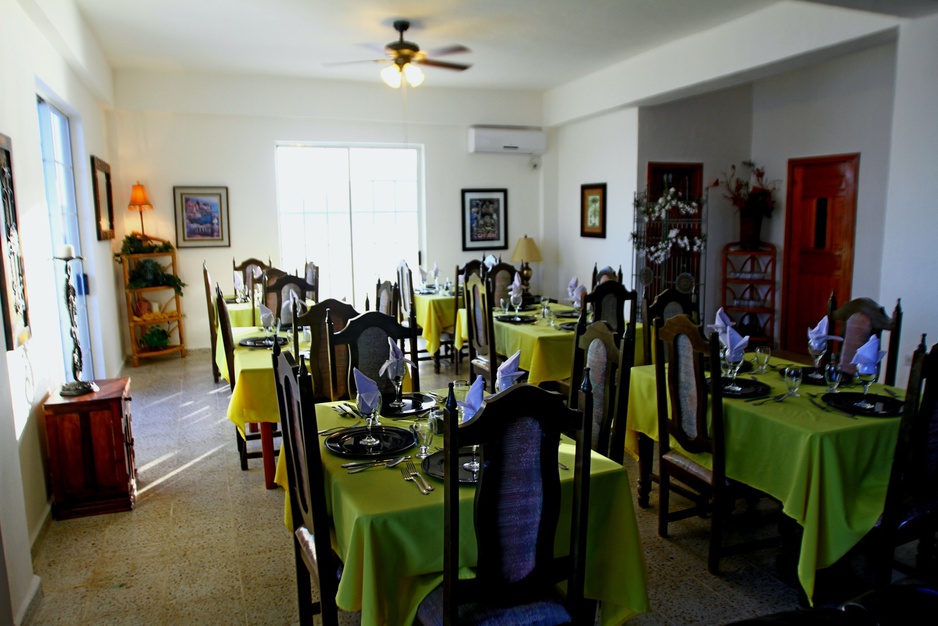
{"points": [[66, 251]]}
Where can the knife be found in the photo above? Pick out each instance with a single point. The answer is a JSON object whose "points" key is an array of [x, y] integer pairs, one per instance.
{"points": [[372, 462]]}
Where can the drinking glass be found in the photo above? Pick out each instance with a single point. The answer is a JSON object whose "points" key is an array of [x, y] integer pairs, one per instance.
{"points": [[832, 374], [516, 301], [763, 354], [866, 374], [501, 303], [817, 348], [734, 359], [793, 375], [460, 390], [724, 366], [397, 402], [423, 430], [371, 419], [473, 465]]}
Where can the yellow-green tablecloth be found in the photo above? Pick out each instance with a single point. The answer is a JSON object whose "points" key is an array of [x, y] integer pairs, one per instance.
{"points": [[829, 471], [243, 314], [435, 313], [390, 537]]}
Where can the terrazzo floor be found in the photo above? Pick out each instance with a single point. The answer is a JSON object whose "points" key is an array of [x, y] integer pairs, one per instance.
{"points": [[206, 542]]}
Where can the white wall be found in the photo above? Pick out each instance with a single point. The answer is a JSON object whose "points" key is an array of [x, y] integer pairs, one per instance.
{"points": [[168, 133]]}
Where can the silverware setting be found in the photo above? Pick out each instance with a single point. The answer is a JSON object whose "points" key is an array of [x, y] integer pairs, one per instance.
{"points": [[890, 392], [336, 429], [427, 487], [562, 466], [408, 476], [777, 398], [819, 405], [361, 466]]}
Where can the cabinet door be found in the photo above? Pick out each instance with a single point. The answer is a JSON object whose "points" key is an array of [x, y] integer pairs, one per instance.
{"points": [[90, 459]]}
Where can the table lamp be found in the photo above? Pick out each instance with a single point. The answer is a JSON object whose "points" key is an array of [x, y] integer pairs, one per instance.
{"points": [[78, 387], [526, 250], [139, 202]]}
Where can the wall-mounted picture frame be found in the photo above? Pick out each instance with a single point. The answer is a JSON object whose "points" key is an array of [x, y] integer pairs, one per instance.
{"points": [[103, 198], [593, 210], [201, 217], [13, 298], [484, 219]]}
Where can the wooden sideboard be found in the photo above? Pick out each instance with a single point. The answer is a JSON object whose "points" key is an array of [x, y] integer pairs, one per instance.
{"points": [[90, 449]]}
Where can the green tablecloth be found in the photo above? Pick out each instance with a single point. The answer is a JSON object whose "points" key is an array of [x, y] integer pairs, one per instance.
{"points": [[829, 471], [390, 537]]}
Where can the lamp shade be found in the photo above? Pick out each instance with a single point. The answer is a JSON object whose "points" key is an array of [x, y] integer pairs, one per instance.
{"points": [[138, 199], [526, 250]]}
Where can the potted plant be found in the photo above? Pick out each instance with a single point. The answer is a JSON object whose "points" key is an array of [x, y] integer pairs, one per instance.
{"points": [[156, 338], [753, 196]]}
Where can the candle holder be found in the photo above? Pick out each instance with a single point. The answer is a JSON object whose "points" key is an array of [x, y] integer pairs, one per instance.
{"points": [[78, 387]]}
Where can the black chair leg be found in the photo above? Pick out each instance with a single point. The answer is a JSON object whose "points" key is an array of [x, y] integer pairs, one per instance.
{"points": [[242, 450]]}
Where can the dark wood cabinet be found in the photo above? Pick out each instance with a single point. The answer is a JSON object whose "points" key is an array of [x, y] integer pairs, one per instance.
{"points": [[90, 447]]}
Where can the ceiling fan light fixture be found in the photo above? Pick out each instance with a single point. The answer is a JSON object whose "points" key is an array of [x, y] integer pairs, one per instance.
{"points": [[413, 74], [391, 75]]}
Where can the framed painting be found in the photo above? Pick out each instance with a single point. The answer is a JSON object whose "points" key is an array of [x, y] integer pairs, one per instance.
{"points": [[484, 219], [13, 290], [201, 217], [593, 210], [103, 198]]}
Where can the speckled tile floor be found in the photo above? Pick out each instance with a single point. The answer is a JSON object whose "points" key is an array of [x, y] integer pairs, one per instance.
{"points": [[206, 543]]}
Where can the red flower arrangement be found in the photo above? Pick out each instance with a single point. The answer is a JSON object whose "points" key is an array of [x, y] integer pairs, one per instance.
{"points": [[752, 195]]}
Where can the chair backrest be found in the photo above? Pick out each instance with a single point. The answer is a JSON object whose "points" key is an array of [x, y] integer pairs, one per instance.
{"points": [[305, 476], [405, 285], [251, 271], [224, 329], [366, 336], [610, 362], [500, 276], [682, 345], [279, 290], [212, 316], [386, 298], [608, 274], [517, 499], [481, 325], [666, 305], [608, 302], [856, 321], [311, 275], [339, 313]]}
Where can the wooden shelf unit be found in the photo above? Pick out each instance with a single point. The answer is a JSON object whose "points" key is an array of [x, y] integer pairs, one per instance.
{"points": [[170, 307], [749, 290]]}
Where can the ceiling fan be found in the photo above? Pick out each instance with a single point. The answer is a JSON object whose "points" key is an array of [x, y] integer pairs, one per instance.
{"points": [[405, 56]]}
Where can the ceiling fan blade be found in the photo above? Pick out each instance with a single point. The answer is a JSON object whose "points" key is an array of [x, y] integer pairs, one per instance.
{"points": [[455, 49], [448, 66], [355, 62]]}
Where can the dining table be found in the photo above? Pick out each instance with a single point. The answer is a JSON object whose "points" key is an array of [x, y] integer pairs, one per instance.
{"points": [[390, 537], [435, 312], [830, 470]]}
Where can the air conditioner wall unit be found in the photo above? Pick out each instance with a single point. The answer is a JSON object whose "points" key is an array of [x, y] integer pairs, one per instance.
{"points": [[507, 139]]}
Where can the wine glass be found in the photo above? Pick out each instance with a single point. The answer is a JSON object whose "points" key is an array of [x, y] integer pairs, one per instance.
{"points": [[793, 375], [866, 374], [473, 465], [734, 360], [817, 348], [501, 302], [516, 301], [396, 371], [371, 417], [832, 374], [763, 354], [423, 430]]}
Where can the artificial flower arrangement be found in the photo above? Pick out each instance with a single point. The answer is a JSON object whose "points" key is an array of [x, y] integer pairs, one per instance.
{"points": [[665, 216], [753, 195]]}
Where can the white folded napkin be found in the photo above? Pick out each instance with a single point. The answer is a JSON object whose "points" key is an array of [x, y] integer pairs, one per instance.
{"points": [[574, 283], [367, 390], [515, 288], [267, 316], [436, 271], [868, 356], [508, 372], [578, 294], [721, 323], [238, 282], [286, 309], [258, 272], [423, 274], [396, 365], [473, 399], [490, 261], [735, 344], [818, 336]]}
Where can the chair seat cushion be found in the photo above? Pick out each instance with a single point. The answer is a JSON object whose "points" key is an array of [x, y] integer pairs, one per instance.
{"points": [[687, 467], [305, 540], [540, 611]]}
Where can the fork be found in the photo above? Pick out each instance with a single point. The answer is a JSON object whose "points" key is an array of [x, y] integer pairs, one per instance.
{"points": [[407, 476], [413, 472]]}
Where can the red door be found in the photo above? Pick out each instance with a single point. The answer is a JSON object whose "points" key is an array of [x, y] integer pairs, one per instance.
{"points": [[819, 238]]}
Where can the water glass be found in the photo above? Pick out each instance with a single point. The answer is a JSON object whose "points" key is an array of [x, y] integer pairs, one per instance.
{"points": [[734, 359], [793, 375], [832, 375], [763, 354], [460, 389], [866, 374], [423, 430], [817, 348]]}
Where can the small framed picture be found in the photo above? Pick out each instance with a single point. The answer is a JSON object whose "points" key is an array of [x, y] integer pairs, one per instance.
{"points": [[201, 217], [593, 210], [103, 199], [484, 219]]}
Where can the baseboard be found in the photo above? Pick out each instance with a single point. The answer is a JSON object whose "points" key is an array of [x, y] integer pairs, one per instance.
{"points": [[27, 612]]}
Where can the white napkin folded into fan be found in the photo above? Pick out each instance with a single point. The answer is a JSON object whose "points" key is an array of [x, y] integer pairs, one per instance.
{"points": [[868, 356], [490, 261], [574, 283], [508, 372], [515, 289], [473, 401], [238, 282], [818, 336], [267, 316], [722, 322], [396, 365], [735, 344], [368, 390]]}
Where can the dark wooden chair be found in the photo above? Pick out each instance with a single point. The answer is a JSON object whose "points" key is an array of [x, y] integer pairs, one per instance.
{"points": [[366, 337], [856, 321], [313, 558], [338, 313], [386, 298], [695, 422], [608, 302], [666, 305], [311, 275], [500, 276], [610, 362], [212, 320], [608, 274], [269, 279], [405, 308], [517, 508], [483, 357], [473, 267], [279, 290], [251, 271]]}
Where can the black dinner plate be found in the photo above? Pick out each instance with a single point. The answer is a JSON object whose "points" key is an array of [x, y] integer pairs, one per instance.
{"points": [[570, 315], [261, 342], [519, 319], [883, 406], [426, 292], [811, 376], [567, 326], [391, 442], [750, 388], [433, 466], [413, 403], [231, 300]]}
